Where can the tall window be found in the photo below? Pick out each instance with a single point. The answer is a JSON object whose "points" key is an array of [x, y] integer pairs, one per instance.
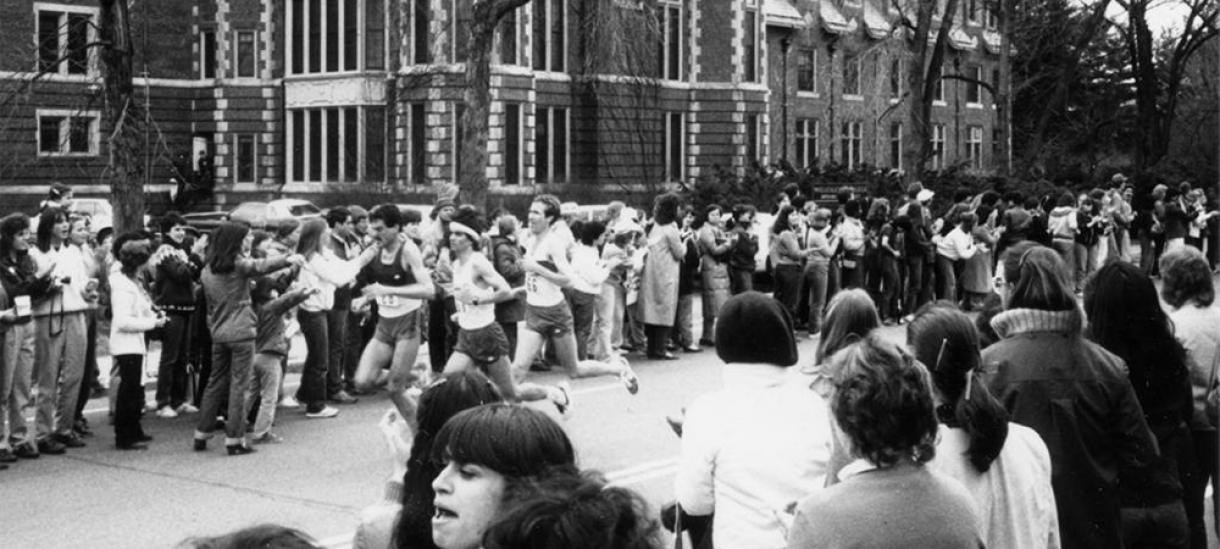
{"points": [[421, 34], [68, 133], [806, 70], [806, 142], [459, 11], [939, 93], [550, 34], [991, 17], [675, 146], [672, 43], [246, 158], [513, 159], [995, 84], [897, 77], [973, 10], [749, 44], [459, 135], [754, 152], [938, 146], [337, 144], [974, 146], [896, 145], [63, 35], [551, 144], [326, 36], [851, 75], [510, 42], [974, 91], [243, 53], [853, 143], [207, 54], [417, 144]]}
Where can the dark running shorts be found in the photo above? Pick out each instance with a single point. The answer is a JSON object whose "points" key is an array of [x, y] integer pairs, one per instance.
{"points": [[392, 330], [483, 345], [553, 321]]}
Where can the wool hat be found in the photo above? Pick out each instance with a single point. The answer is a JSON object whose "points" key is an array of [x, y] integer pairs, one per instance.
{"points": [[753, 327]]}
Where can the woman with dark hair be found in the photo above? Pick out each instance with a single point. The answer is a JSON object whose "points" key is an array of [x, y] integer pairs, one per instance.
{"points": [[133, 316], [742, 255], [787, 258], [1189, 291], [489, 452], [226, 278], [322, 376], [761, 442], [1073, 392], [24, 281], [883, 259], [262, 536], [1005, 466], [1125, 317], [403, 518], [573, 510], [688, 288], [714, 246], [1092, 226], [884, 416], [659, 285]]}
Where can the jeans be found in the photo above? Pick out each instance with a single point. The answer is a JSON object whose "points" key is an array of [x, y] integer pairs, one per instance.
{"points": [[583, 307], [817, 274], [887, 268], [684, 323], [230, 376], [59, 366], [264, 385], [1086, 263], [947, 271], [607, 313], [1067, 252], [1207, 459], [130, 401], [740, 280], [788, 287], [92, 374], [315, 330], [171, 371], [917, 283], [15, 382], [715, 277], [336, 325]]}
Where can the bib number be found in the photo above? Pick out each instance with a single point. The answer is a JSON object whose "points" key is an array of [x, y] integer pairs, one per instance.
{"points": [[531, 282], [388, 300]]}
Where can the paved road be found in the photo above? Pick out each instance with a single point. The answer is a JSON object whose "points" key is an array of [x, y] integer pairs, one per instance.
{"points": [[320, 478]]}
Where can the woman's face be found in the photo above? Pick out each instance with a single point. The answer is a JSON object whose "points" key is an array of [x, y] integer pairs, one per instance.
{"points": [[177, 233], [60, 230], [21, 242], [794, 218], [79, 234], [467, 501], [1002, 287]]}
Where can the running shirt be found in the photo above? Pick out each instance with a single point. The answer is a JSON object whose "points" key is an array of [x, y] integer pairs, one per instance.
{"points": [[470, 316], [539, 291], [396, 275]]}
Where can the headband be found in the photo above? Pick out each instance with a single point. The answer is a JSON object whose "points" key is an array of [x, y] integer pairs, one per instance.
{"points": [[455, 226]]}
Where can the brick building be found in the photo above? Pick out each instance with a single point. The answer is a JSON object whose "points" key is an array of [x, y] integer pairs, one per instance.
{"points": [[590, 97]]}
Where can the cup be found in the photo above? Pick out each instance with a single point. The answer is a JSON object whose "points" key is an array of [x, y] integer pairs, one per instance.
{"points": [[22, 304]]}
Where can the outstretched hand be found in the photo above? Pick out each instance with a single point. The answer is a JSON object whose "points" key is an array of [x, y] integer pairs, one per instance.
{"points": [[398, 437]]}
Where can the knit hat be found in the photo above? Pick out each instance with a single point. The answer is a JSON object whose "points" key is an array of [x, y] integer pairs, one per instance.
{"points": [[753, 327]]}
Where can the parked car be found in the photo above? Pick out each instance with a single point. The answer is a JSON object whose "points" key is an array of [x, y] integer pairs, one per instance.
{"points": [[258, 215], [98, 210]]}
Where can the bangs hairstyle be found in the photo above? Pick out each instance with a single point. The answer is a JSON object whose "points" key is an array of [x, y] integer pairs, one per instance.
{"points": [[310, 241], [225, 247], [947, 344], [514, 441], [1186, 278], [46, 223], [10, 226], [851, 315], [1038, 277], [882, 401], [781, 220]]}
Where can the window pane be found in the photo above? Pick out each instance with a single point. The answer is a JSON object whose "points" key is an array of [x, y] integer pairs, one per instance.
{"points": [[751, 138], [896, 77], [374, 36], [298, 38], [804, 70], [48, 133], [245, 54], [557, 35], [542, 145], [351, 145], [332, 138], [750, 45], [459, 134], [332, 35], [674, 44], [209, 55], [423, 36], [78, 134], [245, 158], [418, 154], [512, 144], [351, 28], [540, 35], [508, 39], [374, 144], [298, 145], [560, 123], [674, 139], [78, 41], [48, 40], [851, 76], [315, 35], [315, 146], [461, 31]]}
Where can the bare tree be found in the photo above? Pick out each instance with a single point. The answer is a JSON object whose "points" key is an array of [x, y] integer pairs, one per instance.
{"points": [[121, 115], [923, 75]]}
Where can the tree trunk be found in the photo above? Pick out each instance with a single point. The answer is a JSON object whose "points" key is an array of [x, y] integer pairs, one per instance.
{"points": [[1003, 92], [124, 170], [923, 73], [1144, 70], [472, 173]]}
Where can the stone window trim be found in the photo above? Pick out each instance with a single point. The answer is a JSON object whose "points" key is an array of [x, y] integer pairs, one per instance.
{"points": [[65, 11], [63, 145]]}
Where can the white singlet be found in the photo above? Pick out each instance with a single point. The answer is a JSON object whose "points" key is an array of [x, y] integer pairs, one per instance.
{"points": [[539, 291], [470, 316]]}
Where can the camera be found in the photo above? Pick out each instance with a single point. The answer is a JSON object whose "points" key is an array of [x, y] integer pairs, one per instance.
{"points": [[65, 280]]}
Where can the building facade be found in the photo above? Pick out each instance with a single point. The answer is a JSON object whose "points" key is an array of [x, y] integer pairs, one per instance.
{"points": [[589, 97]]}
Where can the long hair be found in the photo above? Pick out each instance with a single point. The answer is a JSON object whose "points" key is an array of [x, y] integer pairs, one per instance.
{"points": [[665, 209], [1126, 318], [310, 241], [701, 217], [850, 316], [781, 220], [47, 221], [946, 342], [1038, 277], [10, 227], [225, 247], [438, 403]]}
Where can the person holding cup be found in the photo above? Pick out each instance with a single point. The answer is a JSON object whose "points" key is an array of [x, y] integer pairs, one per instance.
{"points": [[133, 316]]}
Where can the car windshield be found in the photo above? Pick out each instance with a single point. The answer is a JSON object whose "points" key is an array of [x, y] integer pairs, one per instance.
{"points": [[304, 208]]}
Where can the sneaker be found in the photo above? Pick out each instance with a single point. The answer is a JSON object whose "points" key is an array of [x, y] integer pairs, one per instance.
{"points": [[26, 451], [627, 376], [70, 440], [51, 447], [165, 412], [81, 427], [565, 389], [268, 438], [342, 397], [187, 408], [7, 456], [322, 412], [289, 403]]}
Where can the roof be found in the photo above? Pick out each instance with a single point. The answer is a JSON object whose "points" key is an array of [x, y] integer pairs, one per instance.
{"points": [[781, 13], [834, 21]]}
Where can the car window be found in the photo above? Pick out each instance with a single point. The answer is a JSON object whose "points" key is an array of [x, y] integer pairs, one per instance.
{"points": [[304, 208]]}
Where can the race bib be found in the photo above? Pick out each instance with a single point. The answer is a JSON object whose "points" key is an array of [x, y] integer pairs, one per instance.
{"points": [[531, 282], [387, 300]]}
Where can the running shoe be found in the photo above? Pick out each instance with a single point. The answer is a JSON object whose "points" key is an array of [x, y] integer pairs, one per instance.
{"points": [[322, 412], [187, 408], [289, 403], [165, 412], [268, 438], [627, 376], [566, 406]]}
